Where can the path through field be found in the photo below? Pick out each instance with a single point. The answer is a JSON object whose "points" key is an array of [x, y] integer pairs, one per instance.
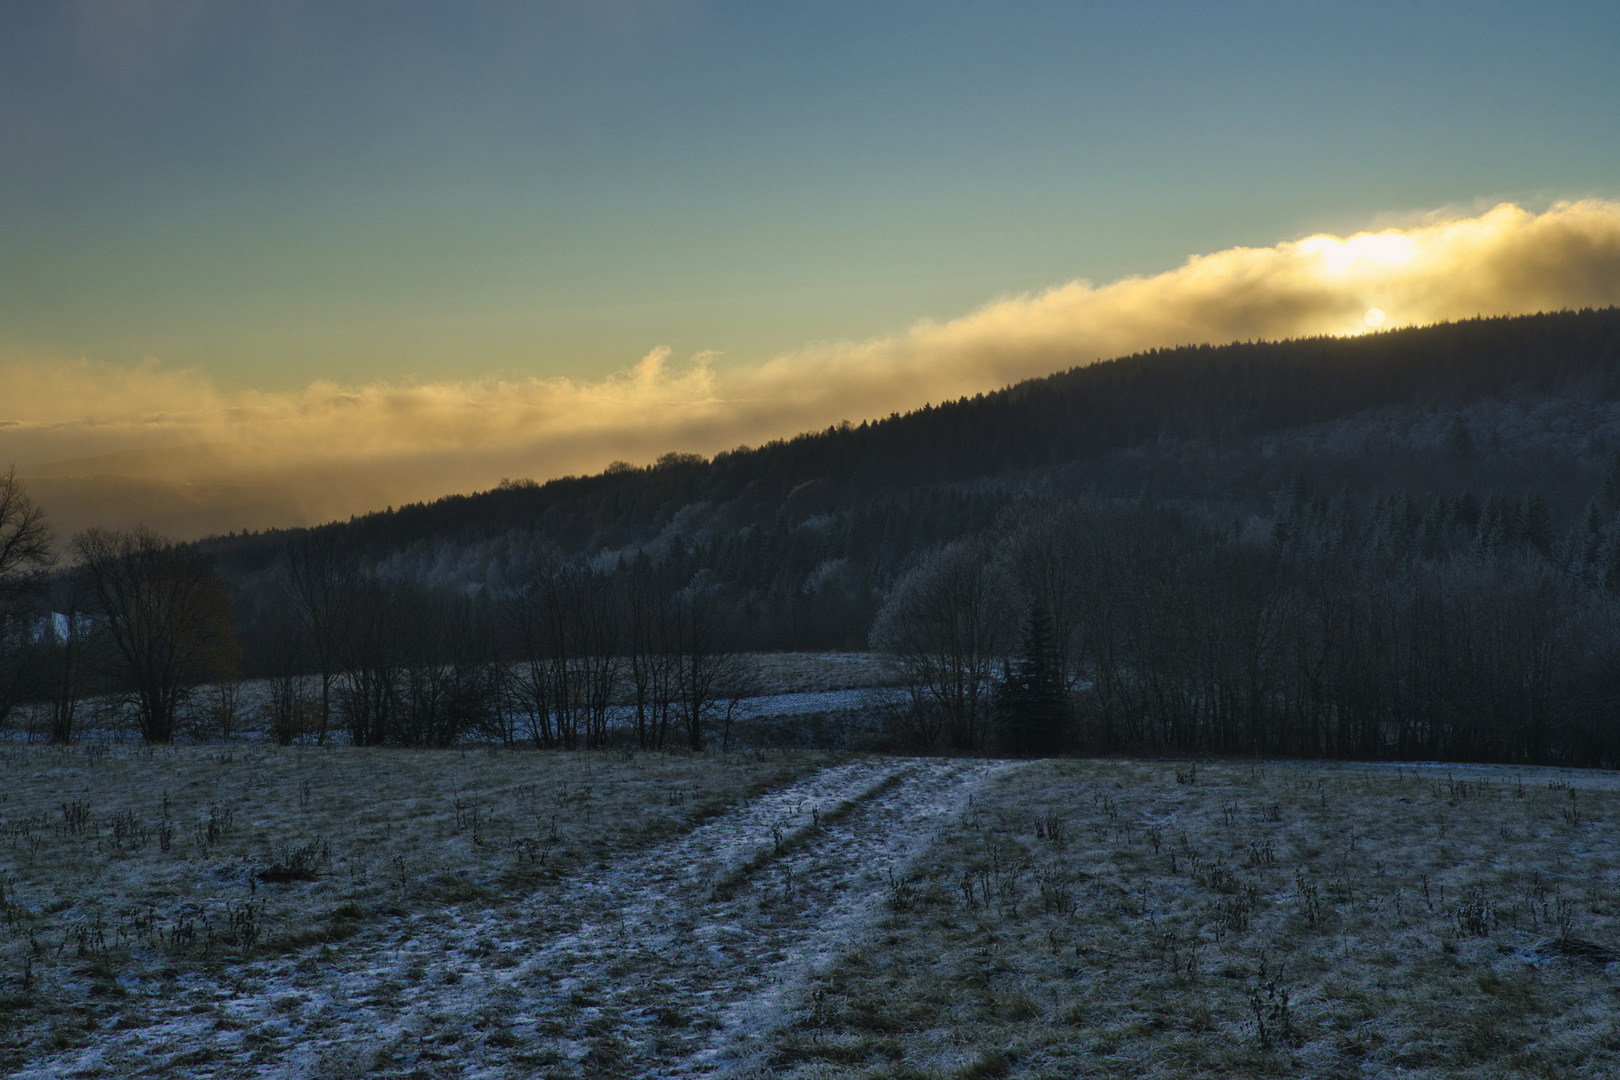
{"points": [[677, 961]]}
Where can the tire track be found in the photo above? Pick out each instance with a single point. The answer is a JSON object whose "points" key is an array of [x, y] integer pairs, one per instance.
{"points": [[678, 961], [714, 962]]}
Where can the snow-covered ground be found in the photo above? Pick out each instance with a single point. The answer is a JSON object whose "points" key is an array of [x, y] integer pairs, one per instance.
{"points": [[676, 961], [802, 704], [842, 692], [489, 912]]}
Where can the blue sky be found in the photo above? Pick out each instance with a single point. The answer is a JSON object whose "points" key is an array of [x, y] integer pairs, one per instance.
{"points": [[277, 193]]}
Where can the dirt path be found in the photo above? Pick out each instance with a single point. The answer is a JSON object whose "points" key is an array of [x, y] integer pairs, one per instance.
{"points": [[675, 962]]}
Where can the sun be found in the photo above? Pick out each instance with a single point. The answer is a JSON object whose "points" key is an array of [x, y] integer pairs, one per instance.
{"points": [[1373, 318]]}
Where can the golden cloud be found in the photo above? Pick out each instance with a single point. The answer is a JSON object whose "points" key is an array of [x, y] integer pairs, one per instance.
{"points": [[255, 458]]}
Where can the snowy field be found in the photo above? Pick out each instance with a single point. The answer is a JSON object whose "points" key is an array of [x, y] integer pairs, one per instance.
{"points": [[1284, 919], [265, 911], [821, 701]]}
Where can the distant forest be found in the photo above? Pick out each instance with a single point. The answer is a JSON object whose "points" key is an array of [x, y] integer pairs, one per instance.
{"points": [[1405, 544]]}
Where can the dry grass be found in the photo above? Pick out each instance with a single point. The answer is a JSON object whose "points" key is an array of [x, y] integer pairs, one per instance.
{"points": [[801, 673], [1160, 920], [127, 871], [220, 910]]}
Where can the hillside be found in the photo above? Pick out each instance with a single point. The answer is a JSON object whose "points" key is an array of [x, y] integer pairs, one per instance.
{"points": [[1400, 545], [810, 530], [1167, 404]]}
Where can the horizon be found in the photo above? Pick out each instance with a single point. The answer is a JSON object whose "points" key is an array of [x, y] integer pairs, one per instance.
{"points": [[680, 457], [275, 265]]}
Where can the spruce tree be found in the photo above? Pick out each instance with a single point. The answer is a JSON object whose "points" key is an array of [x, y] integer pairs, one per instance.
{"points": [[1034, 701]]}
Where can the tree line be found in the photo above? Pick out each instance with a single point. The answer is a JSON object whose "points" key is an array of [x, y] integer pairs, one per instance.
{"points": [[1464, 631], [1410, 599], [1215, 394], [1467, 629], [805, 536], [570, 657]]}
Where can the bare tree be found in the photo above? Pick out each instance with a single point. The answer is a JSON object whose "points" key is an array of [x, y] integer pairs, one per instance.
{"points": [[61, 656], [650, 645], [597, 625], [287, 709], [566, 628], [948, 622], [66, 672], [225, 705], [25, 553], [738, 678], [372, 655], [320, 593], [25, 538], [449, 687], [524, 608], [287, 706], [167, 614], [710, 675]]}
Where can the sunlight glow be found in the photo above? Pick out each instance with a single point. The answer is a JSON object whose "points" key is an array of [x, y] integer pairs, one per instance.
{"points": [[1385, 248], [344, 448]]}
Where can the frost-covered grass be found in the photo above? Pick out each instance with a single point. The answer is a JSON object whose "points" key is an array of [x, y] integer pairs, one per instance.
{"points": [[140, 883], [1277, 919], [808, 673], [252, 910]]}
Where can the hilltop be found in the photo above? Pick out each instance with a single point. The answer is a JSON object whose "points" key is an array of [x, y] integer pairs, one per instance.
{"points": [[1503, 406]]}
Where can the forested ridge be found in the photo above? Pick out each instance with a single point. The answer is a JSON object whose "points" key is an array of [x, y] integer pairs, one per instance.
{"points": [[1402, 544], [1213, 393]]}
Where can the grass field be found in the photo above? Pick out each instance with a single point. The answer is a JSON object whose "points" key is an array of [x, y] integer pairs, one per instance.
{"points": [[137, 881], [255, 910], [1238, 919]]}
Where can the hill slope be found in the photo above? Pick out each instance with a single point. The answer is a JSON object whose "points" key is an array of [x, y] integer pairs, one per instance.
{"points": [[1404, 545], [1492, 404]]}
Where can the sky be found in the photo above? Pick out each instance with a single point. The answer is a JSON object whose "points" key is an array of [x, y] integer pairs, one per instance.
{"points": [[267, 263]]}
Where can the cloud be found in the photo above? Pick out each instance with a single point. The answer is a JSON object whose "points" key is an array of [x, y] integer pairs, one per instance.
{"points": [[260, 457], [1507, 261]]}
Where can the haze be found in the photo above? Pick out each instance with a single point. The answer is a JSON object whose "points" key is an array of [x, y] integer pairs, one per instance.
{"points": [[269, 264]]}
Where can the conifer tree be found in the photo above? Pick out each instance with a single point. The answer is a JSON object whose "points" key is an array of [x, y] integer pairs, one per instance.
{"points": [[1034, 705]]}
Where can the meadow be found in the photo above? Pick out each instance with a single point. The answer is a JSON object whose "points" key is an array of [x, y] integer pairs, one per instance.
{"points": [[1162, 919], [145, 883], [260, 910]]}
